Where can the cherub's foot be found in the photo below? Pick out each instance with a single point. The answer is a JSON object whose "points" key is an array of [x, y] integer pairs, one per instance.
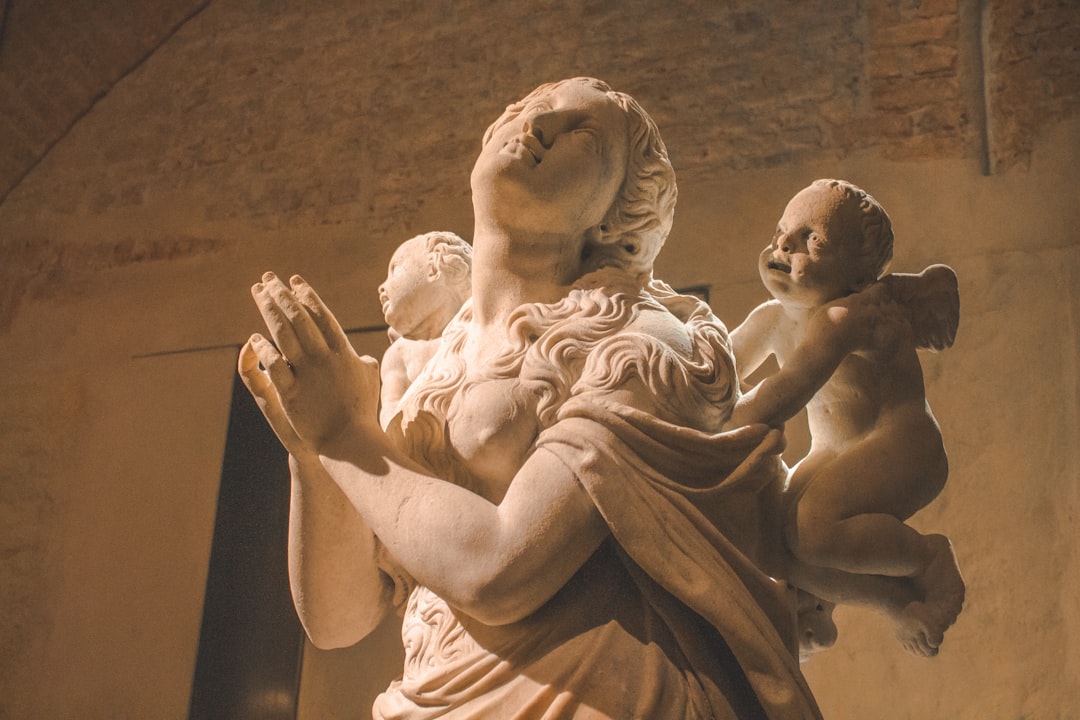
{"points": [[918, 630], [922, 624]]}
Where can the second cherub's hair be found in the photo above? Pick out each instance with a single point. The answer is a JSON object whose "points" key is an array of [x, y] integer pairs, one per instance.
{"points": [[876, 244], [452, 257]]}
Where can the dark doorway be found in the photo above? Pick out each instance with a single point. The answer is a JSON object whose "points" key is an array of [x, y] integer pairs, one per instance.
{"points": [[251, 642]]}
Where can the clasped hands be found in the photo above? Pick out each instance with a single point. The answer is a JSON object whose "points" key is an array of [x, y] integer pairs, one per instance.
{"points": [[309, 382]]}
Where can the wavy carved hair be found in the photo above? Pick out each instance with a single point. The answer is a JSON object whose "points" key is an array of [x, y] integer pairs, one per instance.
{"points": [[638, 222], [875, 247], [452, 258]]}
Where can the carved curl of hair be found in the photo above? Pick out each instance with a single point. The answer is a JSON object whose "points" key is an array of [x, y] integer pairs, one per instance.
{"points": [[584, 344], [638, 222], [452, 258], [876, 244]]}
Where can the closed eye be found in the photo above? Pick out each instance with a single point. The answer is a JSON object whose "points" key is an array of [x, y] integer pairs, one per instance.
{"points": [[588, 134]]}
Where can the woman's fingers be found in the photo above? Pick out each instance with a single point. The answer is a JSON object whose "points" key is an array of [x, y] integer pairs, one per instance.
{"points": [[306, 330], [266, 396], [288, 320], [277, 322], [279, 372], [254, 379], [329, 330], [315, 377]]}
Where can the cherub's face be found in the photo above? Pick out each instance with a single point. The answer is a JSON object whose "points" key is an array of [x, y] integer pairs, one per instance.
{"points": [[409, 293], [811, 259], [817, 631]]}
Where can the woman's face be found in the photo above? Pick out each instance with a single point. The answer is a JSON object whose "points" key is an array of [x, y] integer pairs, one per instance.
{"points": [[558, 165]]}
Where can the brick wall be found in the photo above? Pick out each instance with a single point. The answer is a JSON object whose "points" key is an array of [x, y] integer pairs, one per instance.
{"points": [[1034, 78], [918, 105], [262, 89]]}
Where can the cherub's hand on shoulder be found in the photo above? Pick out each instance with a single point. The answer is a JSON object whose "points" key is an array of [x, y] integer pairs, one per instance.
{"points": [[931, 302], [867, 321]]}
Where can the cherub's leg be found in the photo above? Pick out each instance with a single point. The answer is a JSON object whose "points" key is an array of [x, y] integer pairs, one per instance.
{"points": [[849, 510], [848, 517], [920, 625], [888, 594]]}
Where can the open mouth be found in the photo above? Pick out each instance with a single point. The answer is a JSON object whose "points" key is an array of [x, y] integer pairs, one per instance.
{"points": [[774, 265]]}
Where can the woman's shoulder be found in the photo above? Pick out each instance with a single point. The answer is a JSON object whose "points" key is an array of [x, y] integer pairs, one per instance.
{"points": [[673, 350], [651, 307], [656, 324]]}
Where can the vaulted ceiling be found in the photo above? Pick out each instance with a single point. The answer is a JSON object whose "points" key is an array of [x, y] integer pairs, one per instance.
{"points": [[59, 57]]}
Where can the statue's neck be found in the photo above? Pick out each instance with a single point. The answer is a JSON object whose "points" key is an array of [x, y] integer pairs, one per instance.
{"points": [[510, 270]]}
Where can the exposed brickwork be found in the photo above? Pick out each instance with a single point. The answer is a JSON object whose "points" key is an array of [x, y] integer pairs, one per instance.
{"points": [[737, 85], [281, 117], [918, 100], [284, 117], [1035, 72]]}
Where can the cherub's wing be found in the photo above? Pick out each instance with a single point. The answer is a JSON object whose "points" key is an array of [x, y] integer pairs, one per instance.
{"points": [[932, 301]]}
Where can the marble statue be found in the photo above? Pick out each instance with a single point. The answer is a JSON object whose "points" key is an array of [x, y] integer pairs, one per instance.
{"points": [[428, 280], [876, 453], [572, 504], [814, 624]]}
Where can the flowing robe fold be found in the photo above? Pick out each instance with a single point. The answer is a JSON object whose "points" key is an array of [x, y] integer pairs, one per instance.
{"points": [[673, 499]]}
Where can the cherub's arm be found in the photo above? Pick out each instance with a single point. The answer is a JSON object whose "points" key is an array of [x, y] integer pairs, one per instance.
{"points": [[776, 399], [866, 320], [395, 381], [752, 341]]}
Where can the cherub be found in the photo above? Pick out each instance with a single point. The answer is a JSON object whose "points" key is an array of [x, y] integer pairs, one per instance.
{"points": [[427, 282], [814, 618], [876, 454]]}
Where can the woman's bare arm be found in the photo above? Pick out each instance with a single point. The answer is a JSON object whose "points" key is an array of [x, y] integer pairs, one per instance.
{"points": [[495, 562], [338, 590]]}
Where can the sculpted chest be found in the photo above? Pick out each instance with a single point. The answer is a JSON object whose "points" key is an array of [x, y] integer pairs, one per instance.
{"points": [[491, 425]]}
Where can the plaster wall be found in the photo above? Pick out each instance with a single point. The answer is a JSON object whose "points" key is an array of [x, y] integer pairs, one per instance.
{"points": [[267, 137]]}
